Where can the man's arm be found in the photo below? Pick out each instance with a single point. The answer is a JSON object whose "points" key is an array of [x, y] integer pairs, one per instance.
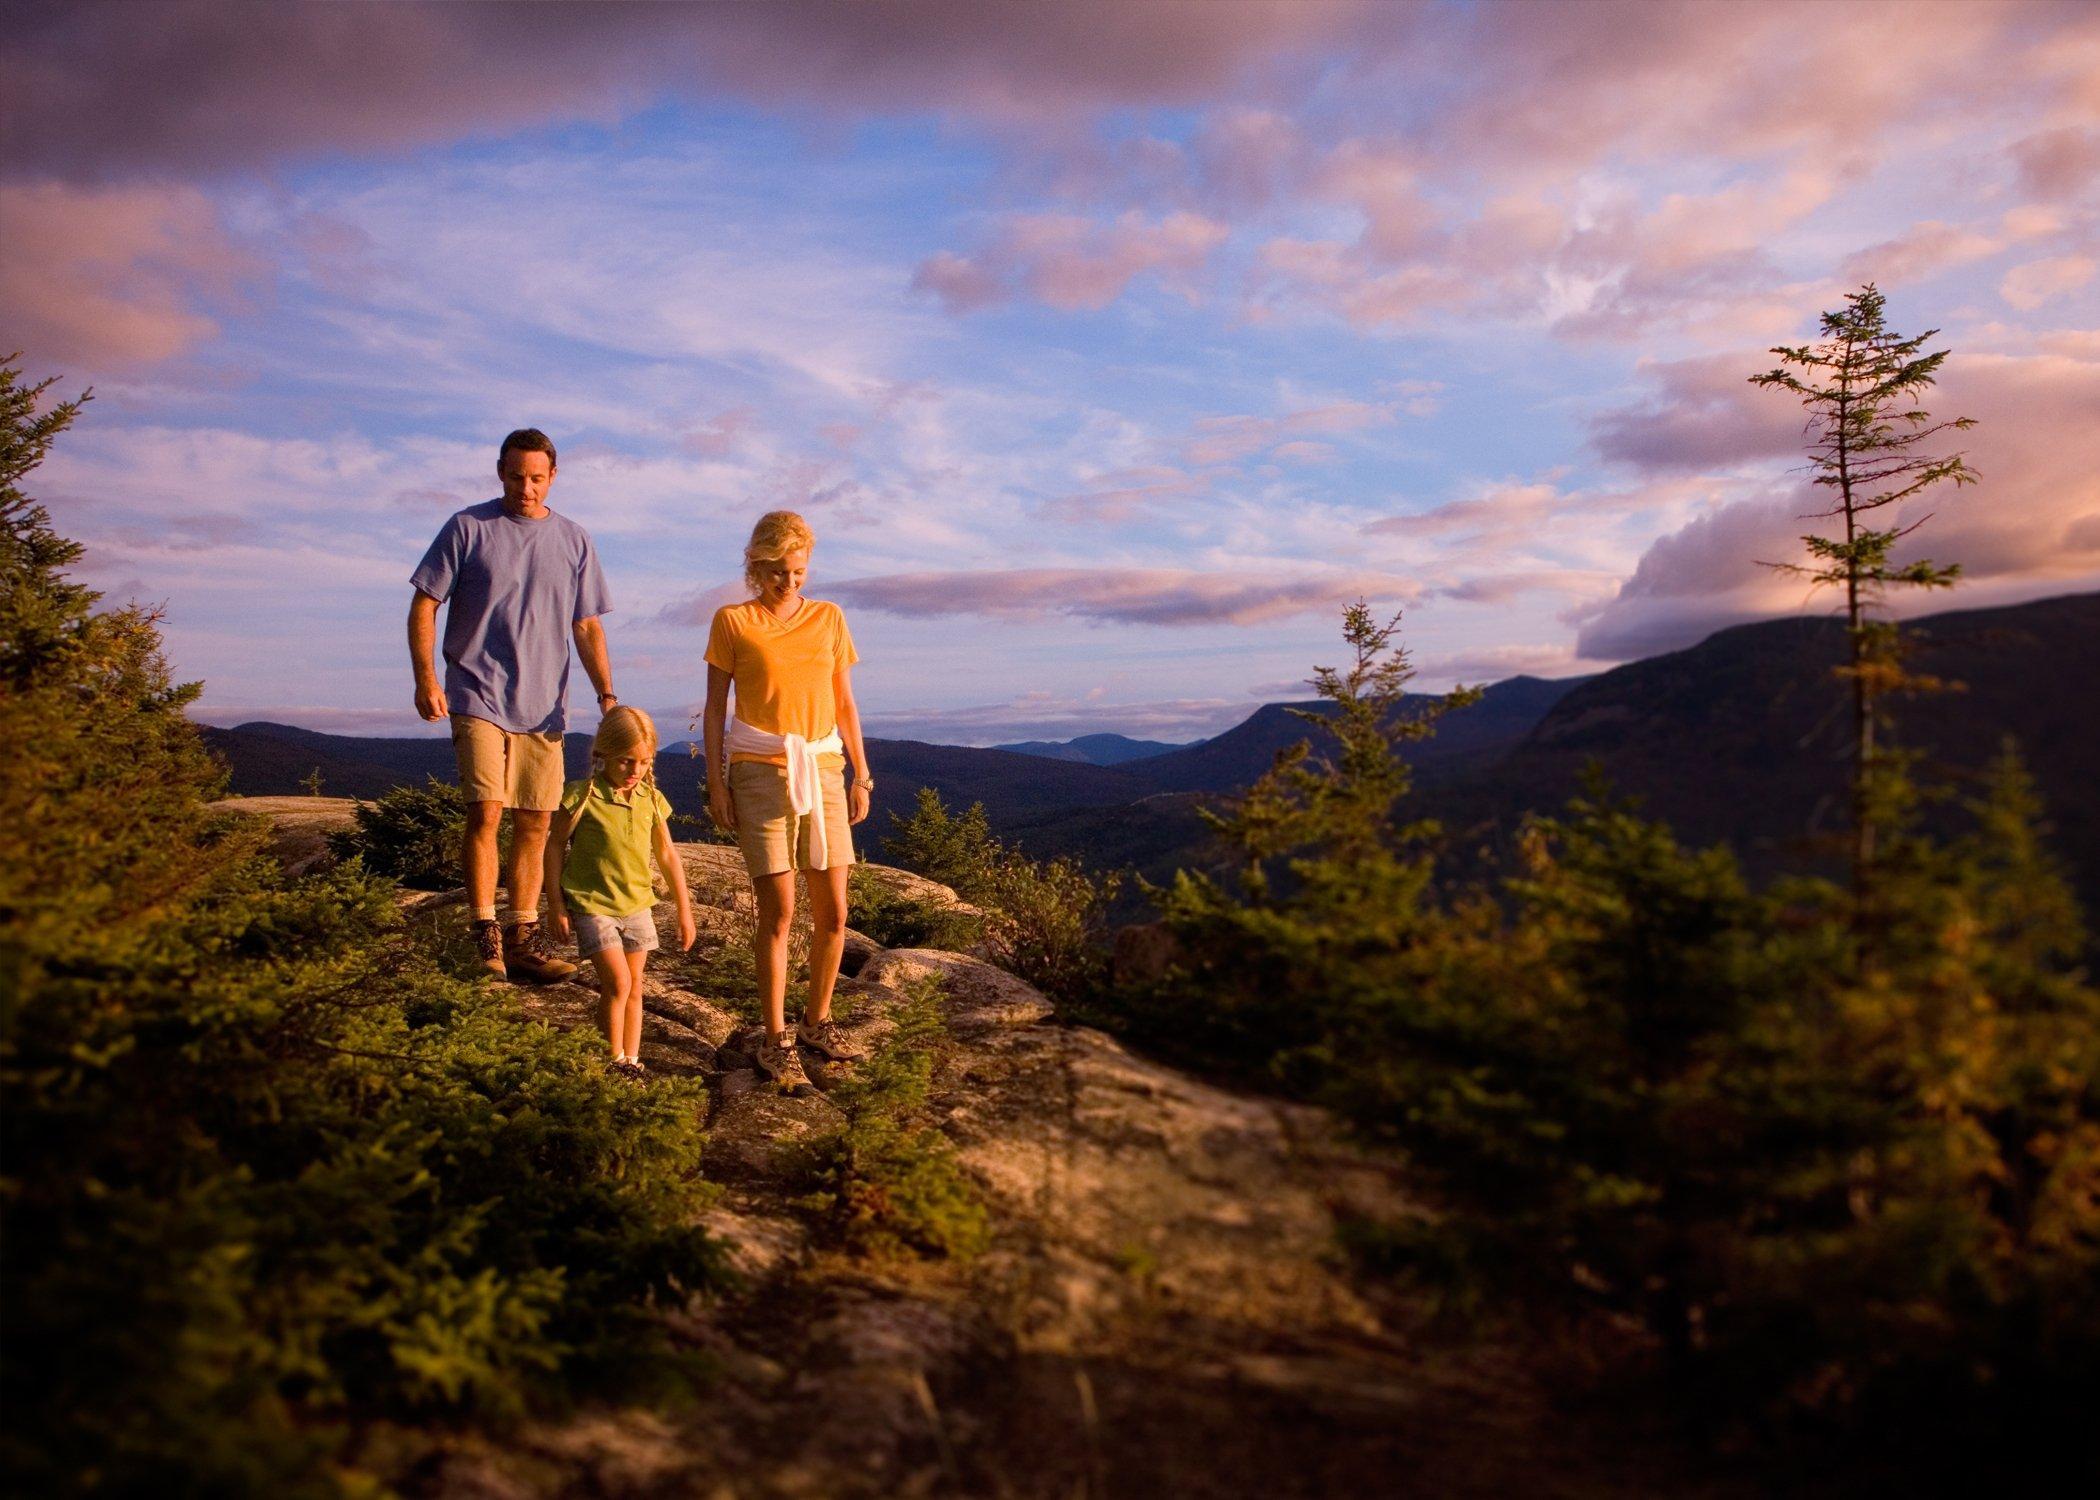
{"points": [[590, 646], [422, 642], [556, 856]]}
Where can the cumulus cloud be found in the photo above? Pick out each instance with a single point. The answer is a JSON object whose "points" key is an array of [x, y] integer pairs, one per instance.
{"points": [[1228, 439], [1062, 716], [1070, 262], [1702, 414], [2029, 286], [101, 276], [2023, 531], [1496, 663], [1499, 511], [1124, 596], [1122, 493], [697, 611], [85, 89], [2059, 165]]}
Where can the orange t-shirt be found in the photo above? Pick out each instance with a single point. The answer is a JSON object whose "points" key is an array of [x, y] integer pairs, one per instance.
{"points": [[783, 668]]}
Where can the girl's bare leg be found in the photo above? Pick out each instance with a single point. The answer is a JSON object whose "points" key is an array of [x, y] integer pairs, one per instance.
{"points": [[827, 938], [769, 944], [611, 967], [636, 962]]}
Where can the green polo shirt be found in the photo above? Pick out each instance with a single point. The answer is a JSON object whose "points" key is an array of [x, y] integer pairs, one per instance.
{"points": [[611, 835]]}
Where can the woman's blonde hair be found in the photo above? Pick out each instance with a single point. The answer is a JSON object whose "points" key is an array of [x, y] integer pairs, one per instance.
{"points": [[777, 533], [622, 730]]}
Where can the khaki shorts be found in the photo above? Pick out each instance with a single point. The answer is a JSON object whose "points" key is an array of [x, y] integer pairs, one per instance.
{"points": [[500, 765], [772, 838]]}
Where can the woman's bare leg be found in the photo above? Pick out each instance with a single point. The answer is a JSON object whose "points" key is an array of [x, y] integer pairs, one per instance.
{"points": [[827, 938], [769, 944]]}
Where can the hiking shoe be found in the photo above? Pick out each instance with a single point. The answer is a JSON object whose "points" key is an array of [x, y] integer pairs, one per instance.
{"points": [[827, 1041], [488, 945], [527, 956], [777, 1060]]}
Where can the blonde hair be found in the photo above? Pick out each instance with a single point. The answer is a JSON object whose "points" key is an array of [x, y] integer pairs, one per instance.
{"points": [[622, 730], [777, 533]]}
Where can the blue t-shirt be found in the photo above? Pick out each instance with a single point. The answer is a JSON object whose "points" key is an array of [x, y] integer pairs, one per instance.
{"points": [[516, 588]]}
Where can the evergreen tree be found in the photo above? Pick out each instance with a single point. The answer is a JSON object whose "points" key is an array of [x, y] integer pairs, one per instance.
{"points": [[265, 1170], [1861, 385]]}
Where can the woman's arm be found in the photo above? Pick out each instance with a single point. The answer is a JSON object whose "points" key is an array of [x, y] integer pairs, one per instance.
{"points": [[859, 791], [557, 856], [714, 730], [673, 867]]}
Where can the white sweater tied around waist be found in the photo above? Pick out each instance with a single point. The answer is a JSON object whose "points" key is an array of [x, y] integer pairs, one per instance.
{"points": [[805, 790]]}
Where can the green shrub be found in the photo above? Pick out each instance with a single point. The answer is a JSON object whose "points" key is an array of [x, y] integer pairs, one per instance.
{"points": [[266, 1172], [1845, 1192], [896, 920], [959, 852], [1045, 920], [886, 1182], [411, 834]]}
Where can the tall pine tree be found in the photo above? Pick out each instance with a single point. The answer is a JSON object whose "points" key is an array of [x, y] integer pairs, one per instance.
{"points": [[1861, 385]]}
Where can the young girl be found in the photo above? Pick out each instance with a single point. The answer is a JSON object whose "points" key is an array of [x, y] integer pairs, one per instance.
{"points": [[598, 862], [776, 775]]}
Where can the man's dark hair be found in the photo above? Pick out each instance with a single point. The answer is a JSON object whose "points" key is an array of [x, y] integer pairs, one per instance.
{"points": [[528, 440]]}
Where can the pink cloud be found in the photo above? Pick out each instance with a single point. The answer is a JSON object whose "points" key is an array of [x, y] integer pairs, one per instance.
{"points": [[719, 435], [1128, 596], [2059, 165], [1224, 440], [1503, 510], [1069, 262], [697, 611], [2029, 286], [1704, 414], [2023, 531], [114, 275], [1116, 497], [83, 88], [1923, 250]]}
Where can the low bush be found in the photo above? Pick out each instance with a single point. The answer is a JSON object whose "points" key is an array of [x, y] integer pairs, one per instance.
{"points": [[886, 1182], [411, 834], [1045, 920], [1848, 1189], [896, 920], [267, 1172]]}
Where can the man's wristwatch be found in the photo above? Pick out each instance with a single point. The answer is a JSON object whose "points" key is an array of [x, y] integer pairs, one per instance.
{"points": [[865, 783], [608, 694]]}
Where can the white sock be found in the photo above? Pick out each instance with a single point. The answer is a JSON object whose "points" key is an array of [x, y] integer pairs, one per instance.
{"points": [[485, 913], [512, 917]]}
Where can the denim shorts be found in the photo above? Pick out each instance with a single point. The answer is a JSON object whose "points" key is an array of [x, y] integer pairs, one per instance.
{"points": [[635, 934]]}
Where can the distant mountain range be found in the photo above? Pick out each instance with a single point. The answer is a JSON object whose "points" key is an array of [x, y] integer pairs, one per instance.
{"points": [[1094, 749], [1740, 738]]}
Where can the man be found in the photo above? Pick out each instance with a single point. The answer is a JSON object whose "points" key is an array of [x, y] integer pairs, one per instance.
{"points": [[522, 582]]}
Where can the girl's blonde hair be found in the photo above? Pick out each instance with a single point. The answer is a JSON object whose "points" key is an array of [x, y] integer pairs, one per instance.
{"points": [[777, 533], [622, 730]]}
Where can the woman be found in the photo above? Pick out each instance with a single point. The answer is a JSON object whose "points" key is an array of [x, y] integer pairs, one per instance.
{"points": [[776, 775]]}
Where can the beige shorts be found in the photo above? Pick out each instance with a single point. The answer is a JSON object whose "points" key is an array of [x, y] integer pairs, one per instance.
{"points": [[500, 765], [772, 838]]}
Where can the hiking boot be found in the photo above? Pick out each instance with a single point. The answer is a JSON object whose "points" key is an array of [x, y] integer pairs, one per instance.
{"points": [[827, 1041], [488, 945], [778, 1062], [527, 956]]}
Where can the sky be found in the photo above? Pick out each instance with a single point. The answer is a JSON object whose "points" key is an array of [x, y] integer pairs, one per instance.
{"points": [[1110, 349]]}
